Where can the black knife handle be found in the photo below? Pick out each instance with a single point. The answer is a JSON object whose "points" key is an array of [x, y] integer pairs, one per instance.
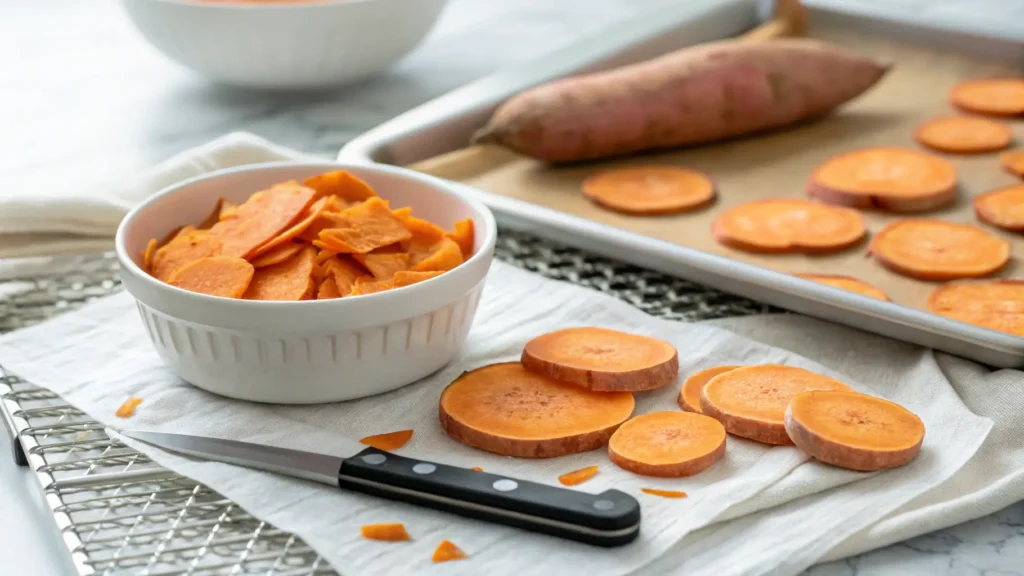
{"points": [[611, 518]]}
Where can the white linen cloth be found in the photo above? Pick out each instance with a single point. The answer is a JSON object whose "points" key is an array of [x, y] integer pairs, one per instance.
{"points": [[760, 511]]}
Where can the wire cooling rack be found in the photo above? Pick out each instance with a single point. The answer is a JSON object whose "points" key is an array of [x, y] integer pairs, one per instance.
{"points": [[118, 512]]}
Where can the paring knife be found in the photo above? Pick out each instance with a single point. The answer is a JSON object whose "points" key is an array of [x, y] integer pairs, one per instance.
{"points": [[611, 518]]}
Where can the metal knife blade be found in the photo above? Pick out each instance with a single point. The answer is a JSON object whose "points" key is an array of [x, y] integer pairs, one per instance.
{"points": [[311, 466], [611, 518]]}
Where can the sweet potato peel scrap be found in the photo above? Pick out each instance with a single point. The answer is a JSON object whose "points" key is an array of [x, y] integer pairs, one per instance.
{"points": [[389, 441], [385, 532], [127, 410], [330, 236], [446, 551]]}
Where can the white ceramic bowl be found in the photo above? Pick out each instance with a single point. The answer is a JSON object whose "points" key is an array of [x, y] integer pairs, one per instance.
{"points": [[286, 45], [310, 351]]}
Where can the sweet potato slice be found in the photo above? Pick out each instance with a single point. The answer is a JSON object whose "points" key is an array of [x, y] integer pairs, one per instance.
{"points": [[602, 360], [276, 255], [185, 248], [650, 190], [892, 179], [340, 183], [964, 134], [389, 441], [789, 225], [930, 249], [368, 226], [327, 290], [407, 277], [689, 394], [503, 408], [848, 283], [854, 431], [127, 409], [578, 476], [368, 285], [996, 96], [147, 255], [464, 236], [669, 444], [444, 256], [305, 220], [1013, 162], [996, 305], [1003, 207], [262, 217], [751, 401], [664, 493], [289, 280], [386, 532], [383, 266], [446, 552], [224, 276]]}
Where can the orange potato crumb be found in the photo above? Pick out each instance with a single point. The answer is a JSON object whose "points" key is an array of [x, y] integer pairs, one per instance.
{"points": [[446, 552], [389, 441], [127, 410], [385, 532]]}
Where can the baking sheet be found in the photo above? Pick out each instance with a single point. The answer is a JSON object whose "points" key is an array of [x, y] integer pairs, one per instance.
{"points": [[778, 164]]}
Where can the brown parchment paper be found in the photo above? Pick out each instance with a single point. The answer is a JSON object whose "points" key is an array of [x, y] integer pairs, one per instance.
{"points": [[779, 163]]}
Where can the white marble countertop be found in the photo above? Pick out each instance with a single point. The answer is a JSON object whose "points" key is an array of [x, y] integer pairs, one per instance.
{"points": [[83, 99]]}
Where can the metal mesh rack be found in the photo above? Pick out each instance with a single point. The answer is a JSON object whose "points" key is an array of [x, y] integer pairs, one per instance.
{"points": [[120, 513]]}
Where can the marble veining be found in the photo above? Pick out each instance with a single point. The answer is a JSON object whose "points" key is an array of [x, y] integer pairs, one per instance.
{"points": [[84, 100]]}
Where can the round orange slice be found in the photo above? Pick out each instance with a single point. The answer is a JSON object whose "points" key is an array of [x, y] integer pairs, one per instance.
{"points": [[1003, 207], [964, 134], [650, 190], [996, 96], [789, 225], [996, 305], [930, 249]]}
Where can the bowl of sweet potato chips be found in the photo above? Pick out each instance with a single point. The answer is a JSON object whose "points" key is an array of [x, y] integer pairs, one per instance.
{"points": [[301, 282]]}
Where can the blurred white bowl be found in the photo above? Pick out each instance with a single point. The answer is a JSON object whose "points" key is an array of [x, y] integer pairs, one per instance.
{"points": [[285, 45], [315, 350]]}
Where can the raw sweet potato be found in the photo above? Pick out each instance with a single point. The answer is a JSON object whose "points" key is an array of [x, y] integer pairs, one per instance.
{"points": [[930, 249], [650, 190], [689, 394], [693, 95], [853, 431], [668, 444], [504, 409], [885, 178], [602, 360], [789, 225], [996, 305], [1003, 207], [751, 401]]}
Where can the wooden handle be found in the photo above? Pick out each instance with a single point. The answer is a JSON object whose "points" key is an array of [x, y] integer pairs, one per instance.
{"points": [[788, 19]]}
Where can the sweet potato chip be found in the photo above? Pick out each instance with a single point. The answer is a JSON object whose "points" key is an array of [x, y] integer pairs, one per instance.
{"points": [[324, 255], [289, 280], [383, 265], [224, 276], [328, 290], [277, 254], [342, 184], [262, 217], [463, 236], [446, 255], [345, 272], [418, 226], [188, 246], [368, 285], [147, 256], [306, 219], [214, 216], [368, 226], [408, 277]]}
